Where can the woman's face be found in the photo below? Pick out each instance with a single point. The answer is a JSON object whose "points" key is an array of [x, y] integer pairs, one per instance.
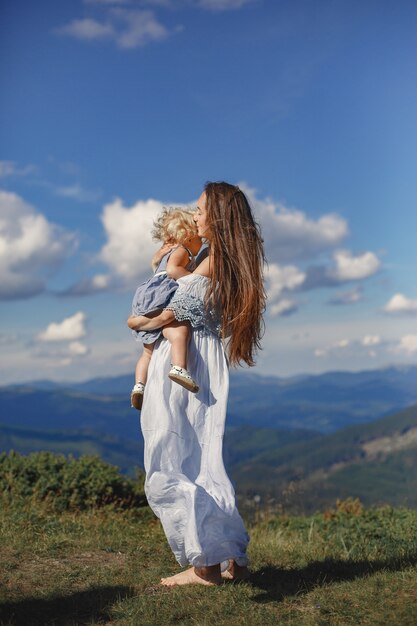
{"points": [[200, 217]]}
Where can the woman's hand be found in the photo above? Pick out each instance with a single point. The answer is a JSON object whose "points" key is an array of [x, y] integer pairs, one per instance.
{"points": [[143, 322]]}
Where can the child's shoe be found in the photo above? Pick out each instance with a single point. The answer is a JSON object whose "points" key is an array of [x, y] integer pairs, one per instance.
{"points": [[181, 376], [136, 396]]}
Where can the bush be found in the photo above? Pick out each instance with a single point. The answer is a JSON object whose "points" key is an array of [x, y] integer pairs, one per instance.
{"points": [[67, 483]]}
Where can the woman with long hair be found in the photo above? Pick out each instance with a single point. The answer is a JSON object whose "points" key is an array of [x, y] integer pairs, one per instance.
{"points": [[186, 482]]}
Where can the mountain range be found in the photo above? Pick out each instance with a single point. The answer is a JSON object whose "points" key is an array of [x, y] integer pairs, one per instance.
{"points": [[299, 442], [324, 403]]}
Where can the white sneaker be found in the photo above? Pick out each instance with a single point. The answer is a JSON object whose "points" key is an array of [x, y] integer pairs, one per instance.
{"points": [[181, 376], [136, 396]]}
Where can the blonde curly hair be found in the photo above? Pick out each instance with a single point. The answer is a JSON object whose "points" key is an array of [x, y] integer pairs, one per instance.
{"points": [[174, 225]]}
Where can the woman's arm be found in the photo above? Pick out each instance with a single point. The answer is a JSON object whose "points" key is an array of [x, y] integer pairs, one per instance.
{"points": [[142, 322]]}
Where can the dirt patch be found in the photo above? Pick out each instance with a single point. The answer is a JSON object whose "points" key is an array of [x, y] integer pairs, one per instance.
{"points": [[23, 575]]}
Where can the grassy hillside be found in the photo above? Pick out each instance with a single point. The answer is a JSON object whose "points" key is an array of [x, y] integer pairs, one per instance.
{"points": [[376, 462], [102, 566]]}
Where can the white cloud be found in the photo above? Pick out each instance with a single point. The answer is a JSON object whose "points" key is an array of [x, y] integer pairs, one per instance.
{"points": [[127, 28], [129, 246], [371, 340], [11, 169], [401, 304], [222, 5], [280, 277], [211, 5], [87, 29], [350, 267], [70, 329], [407, 345], [356, 346], [283, 307], [87, 286], [139, 28], [334, 348], [30, 247], [78, 193], [76, 348], [290, 235], [345, 267], [106, 2], [341, 344], [347, 297], [100, 281]]}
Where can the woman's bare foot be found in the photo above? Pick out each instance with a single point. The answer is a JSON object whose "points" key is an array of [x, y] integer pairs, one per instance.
{"points": [[236, 572], [206, 576]]}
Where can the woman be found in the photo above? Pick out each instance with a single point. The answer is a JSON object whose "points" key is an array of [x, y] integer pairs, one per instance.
{"points": [[186, 483]]}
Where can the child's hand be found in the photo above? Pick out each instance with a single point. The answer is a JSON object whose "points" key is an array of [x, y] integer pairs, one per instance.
{"points": [[159, 254]]}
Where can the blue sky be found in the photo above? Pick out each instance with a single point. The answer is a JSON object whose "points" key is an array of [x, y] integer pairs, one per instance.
{"points": [[113, 108]]}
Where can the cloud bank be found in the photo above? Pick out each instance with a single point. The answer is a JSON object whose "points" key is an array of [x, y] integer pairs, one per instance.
{"points": [[31, 248], [290, 235]]}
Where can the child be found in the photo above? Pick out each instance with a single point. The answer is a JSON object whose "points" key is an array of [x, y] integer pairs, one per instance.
{"points": [[177, 229]]}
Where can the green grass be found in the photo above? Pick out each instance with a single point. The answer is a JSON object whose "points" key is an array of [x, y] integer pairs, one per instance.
{"points": [[102, 566]]}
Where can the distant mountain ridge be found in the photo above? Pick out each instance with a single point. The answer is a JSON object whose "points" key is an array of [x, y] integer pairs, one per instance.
{"points": [[324, 402]]}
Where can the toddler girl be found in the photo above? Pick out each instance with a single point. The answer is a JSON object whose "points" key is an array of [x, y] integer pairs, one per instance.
{"points": [[177, 229]]}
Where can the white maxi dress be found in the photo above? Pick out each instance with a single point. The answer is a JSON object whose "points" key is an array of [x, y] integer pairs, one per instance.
{"points": [[186, 483]]}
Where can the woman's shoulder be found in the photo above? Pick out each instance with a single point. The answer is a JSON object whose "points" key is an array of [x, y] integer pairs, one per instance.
{"points": [[204, 268]]}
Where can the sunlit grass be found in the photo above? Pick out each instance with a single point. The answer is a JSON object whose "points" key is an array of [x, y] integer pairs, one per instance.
{"points": [[103, 566]]}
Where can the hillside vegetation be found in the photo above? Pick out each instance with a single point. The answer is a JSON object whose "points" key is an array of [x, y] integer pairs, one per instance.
{"points": [[71, 565], [298, 469], [376, 462], [126, 454]]}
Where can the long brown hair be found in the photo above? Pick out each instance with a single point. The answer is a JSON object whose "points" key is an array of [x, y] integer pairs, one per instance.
{"points": [[237, 274]]}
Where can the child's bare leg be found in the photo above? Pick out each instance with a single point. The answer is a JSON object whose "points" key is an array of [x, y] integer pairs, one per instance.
{"points": [[141, 374], [178, 335]]}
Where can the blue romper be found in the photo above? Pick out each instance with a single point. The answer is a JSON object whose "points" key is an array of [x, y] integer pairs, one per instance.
{"points": [[155, 294]]}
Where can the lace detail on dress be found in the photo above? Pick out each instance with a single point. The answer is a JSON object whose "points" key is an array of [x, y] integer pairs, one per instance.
{"points": [[188, 305], [191, 309]]}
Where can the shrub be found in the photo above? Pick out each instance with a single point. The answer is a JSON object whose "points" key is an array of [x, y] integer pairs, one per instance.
{"points": [[67, 483]]}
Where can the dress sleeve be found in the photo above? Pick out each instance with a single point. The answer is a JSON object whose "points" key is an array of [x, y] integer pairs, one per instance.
{"points": [[188, 304]]}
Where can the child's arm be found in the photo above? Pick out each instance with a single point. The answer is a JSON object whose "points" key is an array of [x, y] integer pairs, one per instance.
{"points": [[142, 322], [177, 263], [159, 254]]}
